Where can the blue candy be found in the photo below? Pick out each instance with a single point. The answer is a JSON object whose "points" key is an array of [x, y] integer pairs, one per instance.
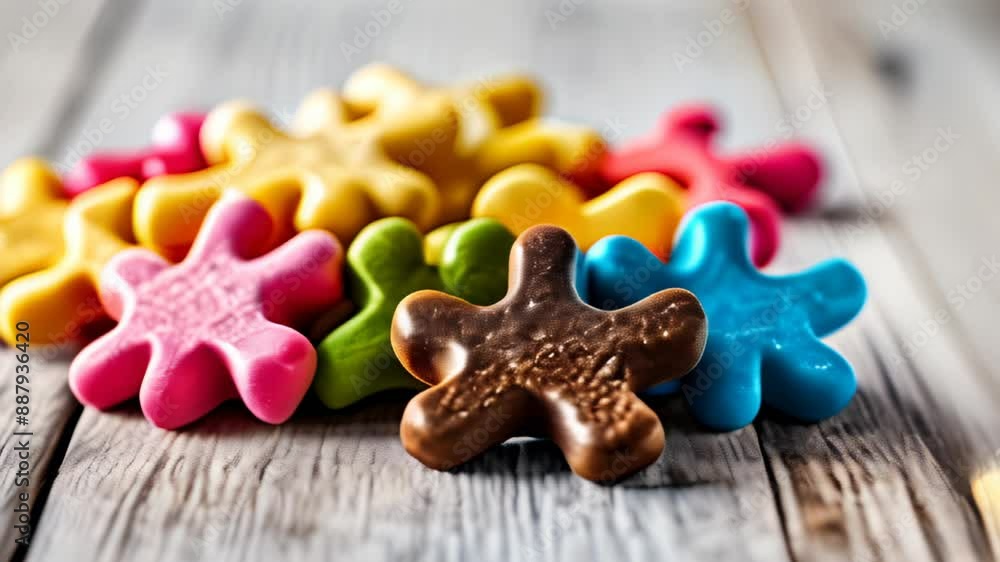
{"points": [[763, 331]]}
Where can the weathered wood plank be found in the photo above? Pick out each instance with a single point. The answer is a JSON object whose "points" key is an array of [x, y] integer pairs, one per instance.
{"points": [[892, 477], [230, 488], [44, 56], [340, 484], [52, 411]]}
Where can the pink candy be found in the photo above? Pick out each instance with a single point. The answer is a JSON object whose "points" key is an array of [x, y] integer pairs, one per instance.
{"points": [[175, 150], [784, 176], [215, 326]]}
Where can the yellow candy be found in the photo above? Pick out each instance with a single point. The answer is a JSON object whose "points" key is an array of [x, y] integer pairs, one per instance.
{"points": [[31, 216], [569, 149], [496, 128], [482, 108], [435, 240], [60, 300], [331, 173], [646, 206]]}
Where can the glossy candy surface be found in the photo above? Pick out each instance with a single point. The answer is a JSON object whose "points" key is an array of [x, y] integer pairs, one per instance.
{"points": [[497, 127], [386, 263], [31, 217], [646, 207], [571, 150], [174, 150], [542, 361], [763, 339], [214, 327], [61, 301], [329, 173], [782, 176], [483, 107]]}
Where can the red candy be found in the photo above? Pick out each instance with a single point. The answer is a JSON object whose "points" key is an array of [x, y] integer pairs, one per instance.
{"points": [[763, 182], [174, 150]]}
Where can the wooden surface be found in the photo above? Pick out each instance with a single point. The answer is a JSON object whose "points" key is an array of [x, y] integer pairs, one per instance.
{"points": [[911, 470]]}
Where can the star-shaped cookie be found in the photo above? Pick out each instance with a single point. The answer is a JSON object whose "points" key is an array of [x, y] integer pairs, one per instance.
{"points": [[541, 361]]}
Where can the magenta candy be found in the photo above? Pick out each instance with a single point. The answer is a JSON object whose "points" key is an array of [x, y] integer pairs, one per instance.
{"points": [[174, 150], [780, 177], [214, 327]]}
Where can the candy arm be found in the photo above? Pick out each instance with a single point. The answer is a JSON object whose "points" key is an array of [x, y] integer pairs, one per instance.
{"points": [[724, 398], [455, 439], [789, 174], [832, 293], [183, 384], [303, 275], [272, 370], [808, 380], [111, 369]]}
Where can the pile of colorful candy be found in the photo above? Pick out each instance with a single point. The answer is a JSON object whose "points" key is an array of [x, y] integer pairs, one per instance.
{"points": [[526, 272]]}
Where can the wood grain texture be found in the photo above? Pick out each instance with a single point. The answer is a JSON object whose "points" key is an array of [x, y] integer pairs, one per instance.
{"points": [[229, 488], [892, 477], [44, 56], [908, 471], [52, 412]]}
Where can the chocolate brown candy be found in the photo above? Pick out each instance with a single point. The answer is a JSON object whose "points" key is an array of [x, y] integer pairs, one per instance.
{"points": [[542, 362]]}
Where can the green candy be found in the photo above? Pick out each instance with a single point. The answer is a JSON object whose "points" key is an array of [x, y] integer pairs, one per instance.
{"points": [[385, 264]]}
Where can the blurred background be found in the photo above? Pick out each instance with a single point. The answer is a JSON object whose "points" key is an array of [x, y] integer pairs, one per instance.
{"points": [[900, 96]]}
